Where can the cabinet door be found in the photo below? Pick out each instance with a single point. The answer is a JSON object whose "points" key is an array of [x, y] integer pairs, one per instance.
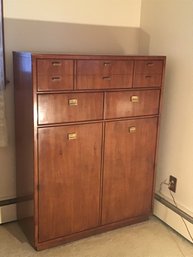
{"points": [[128, 169], [69, 179]]}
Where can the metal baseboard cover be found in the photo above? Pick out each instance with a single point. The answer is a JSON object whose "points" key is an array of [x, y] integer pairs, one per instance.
{"points": [[174, 208], [8, 202]]}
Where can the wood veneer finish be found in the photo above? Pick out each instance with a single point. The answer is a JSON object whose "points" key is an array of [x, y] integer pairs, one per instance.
{"points": [[69, 182], [148, 73], [128, 168], [23, 95], [55, 74], [56, 108], [147, 103], [97, 74], [87, 167]]}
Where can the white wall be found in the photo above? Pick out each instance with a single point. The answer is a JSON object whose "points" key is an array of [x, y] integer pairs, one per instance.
{"points": [[167, 29], [101, 12]]}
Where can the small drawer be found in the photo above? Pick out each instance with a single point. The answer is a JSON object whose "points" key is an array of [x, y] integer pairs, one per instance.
{"points": [[104, 67], [147, 80], [54, 74], [131, 103], [58, 108], [148, 73], [97, 74], [149, 67]]}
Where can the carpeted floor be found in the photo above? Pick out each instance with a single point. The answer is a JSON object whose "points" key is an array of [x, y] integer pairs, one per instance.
{"points": [[147, 239]]}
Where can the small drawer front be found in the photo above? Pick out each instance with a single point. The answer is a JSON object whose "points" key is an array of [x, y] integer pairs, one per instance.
{"points": [[131, 103], [58, 108], [98, 67], [104, 74], [54, 75], [148, 73]]}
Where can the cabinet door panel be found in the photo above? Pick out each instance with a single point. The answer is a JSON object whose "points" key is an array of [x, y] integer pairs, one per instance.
{"points": [[69, 179], [128, 169]]}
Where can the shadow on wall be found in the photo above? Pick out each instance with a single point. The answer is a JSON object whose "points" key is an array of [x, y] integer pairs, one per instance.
{"points": [[144, 42], [26, 35]]}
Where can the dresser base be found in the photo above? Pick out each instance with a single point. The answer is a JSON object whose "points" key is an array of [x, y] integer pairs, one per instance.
{"points": [[90, 232]]}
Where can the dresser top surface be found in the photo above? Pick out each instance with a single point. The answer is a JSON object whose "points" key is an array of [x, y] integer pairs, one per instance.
{"points": [[49, 55]]}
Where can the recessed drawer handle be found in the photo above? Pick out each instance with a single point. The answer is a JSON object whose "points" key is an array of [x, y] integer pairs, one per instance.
{"points": [[107, 63], [73, 102], [148, 77], [106, 78], [134, 99], [150, 64], [72, 136], [55, 79], [56, 63], [132, 129]]}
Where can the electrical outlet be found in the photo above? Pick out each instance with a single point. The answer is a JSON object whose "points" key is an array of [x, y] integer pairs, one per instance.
{"points": [[172, 184]]}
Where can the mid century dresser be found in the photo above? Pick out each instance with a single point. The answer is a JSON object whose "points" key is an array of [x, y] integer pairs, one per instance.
{"points": [[86, 137]]}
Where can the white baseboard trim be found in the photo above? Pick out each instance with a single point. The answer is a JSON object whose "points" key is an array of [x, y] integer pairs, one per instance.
{"points": [[8, 213], [172, 219]]}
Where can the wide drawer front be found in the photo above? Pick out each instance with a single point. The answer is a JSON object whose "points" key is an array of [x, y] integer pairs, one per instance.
{"points": [[58, 108], [148, 73], [54, 75], [97, 74], [131, 103]]}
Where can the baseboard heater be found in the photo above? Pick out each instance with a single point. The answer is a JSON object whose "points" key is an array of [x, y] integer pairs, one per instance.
{"points": [[8, 210], [174, 208], [172, 215]]}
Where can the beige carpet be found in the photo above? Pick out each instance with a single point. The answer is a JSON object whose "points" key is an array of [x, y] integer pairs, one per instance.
{"points": [[147, 239]]}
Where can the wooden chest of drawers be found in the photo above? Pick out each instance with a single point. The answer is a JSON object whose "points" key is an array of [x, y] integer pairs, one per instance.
{"points": [[86, 136]]}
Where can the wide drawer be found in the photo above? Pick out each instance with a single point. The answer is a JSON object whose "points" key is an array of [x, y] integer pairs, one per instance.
{"points": [[54, 74], [98, 74], [131, 103], [148, 73], [58, 108], [96, 67]]}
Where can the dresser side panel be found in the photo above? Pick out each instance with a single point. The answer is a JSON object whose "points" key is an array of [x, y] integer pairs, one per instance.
{"points": [[24, 142]]}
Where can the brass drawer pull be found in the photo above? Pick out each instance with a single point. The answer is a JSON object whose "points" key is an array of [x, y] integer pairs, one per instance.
{"points": [[72, 136], [150, 64], [55, 79], [107, 63], [73, 102], [132, 129], [106, 78], [134, 99], [56, 63]]}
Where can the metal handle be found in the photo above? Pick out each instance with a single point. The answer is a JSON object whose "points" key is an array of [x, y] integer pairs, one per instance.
{"points": [[134, 99], [72, 136], [73, 102], [132, 129], [56, 63], [107, 63], [55, 79], [106, 78], [150, 64]]}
